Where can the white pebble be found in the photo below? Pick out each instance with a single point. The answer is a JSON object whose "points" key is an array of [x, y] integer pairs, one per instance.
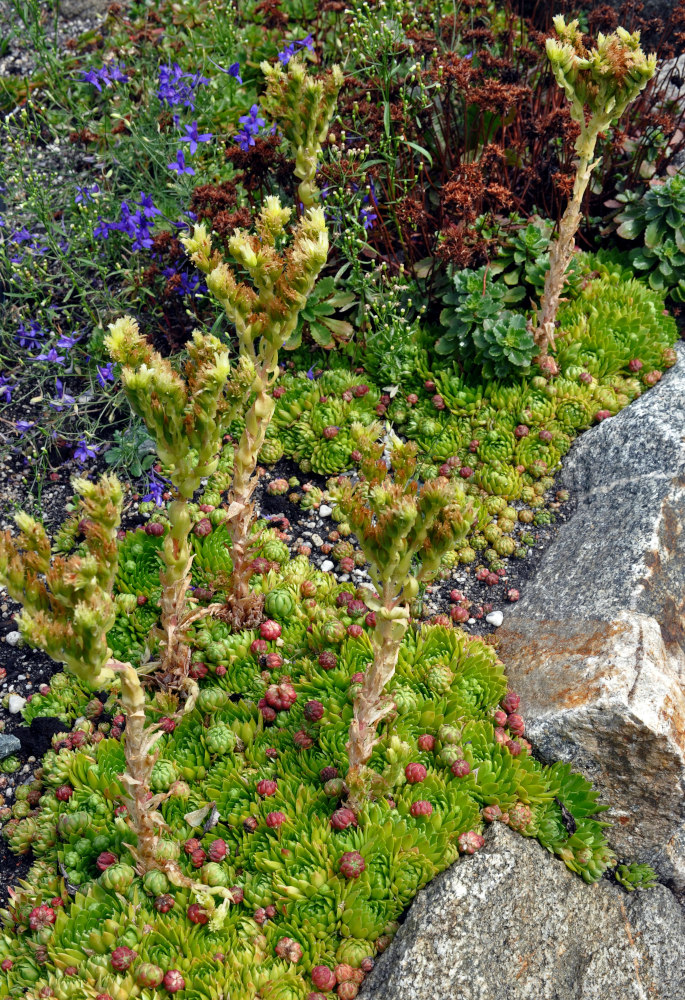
{"points": [[317, 540], [325, 510], [495, 618], [327, 565], [16, 703], [13, 638]]}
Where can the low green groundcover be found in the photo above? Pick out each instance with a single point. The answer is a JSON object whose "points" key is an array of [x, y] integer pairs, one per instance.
{"points": [[253, 776]]}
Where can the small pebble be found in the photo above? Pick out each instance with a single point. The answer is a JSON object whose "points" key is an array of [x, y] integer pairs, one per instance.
{"points": [[13, 638], [16, 703], [318, 540], [495, 618], [325, 510], [327, 565]]}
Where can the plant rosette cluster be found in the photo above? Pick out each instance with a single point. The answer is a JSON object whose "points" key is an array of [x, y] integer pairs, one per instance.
{"points": [[254, 792]]}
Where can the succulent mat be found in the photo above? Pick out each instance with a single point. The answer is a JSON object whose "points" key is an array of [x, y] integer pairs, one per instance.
{"points": [[254, 803]]}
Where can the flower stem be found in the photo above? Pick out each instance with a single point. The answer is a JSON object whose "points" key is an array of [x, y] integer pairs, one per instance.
{"points": [[175, 579], [245, 480], [371, 704], [139, 739]]}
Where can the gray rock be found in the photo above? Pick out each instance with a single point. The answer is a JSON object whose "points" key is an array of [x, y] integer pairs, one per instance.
{"points": [[8, 745], [624, 548], [609, 699], [71, 9], [512, 923]]}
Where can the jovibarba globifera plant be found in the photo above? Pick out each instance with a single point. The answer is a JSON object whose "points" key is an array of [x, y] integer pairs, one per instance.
{"points": [[265, 315], [67, 604], [404, 530], [187, 415], [599, 84], [303, 106], [67, 610]]}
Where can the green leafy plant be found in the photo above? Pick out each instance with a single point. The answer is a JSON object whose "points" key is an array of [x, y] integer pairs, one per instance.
{"points": [[133, 451], [658, 218], [472, 298], [504, 345], [317, 318], [522, 262], [480, 330], [636, 876]]}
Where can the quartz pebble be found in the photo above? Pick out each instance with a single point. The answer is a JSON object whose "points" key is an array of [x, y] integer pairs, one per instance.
{"points": [[495, 618], [13, 638], [327, 565], [16, 703], [325, 510]]}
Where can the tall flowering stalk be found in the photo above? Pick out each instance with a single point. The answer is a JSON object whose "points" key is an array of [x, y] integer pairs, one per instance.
{"points": [[303, 106], [404, 529], [599, 83], [186, 415], [264, 316], [67, 610], [67, 605]]}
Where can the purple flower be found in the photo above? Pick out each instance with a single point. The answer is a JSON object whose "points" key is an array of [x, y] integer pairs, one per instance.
{"points": [[180, 165], [310, 374], [117, 74], [233, 70], [286, 55], [28, 337], [51, 356], [157, 485], [92, 76], [172, 90], [23, 425], [86, 194], [85, 451], [136, 224], [148, 206], [66, 342], [6, 388], [107, 74], [194, 138], [102, 229], [251, 124], [105, 374], [367, 217], [63, 399], [289, 51]]}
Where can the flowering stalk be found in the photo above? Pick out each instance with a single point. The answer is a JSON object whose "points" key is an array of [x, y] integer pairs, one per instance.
{"points": [[187, 418], [264, 316], [67, 605], [139, 739], [67, 610], [599, 84], [303, 107], [404, 530]]}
